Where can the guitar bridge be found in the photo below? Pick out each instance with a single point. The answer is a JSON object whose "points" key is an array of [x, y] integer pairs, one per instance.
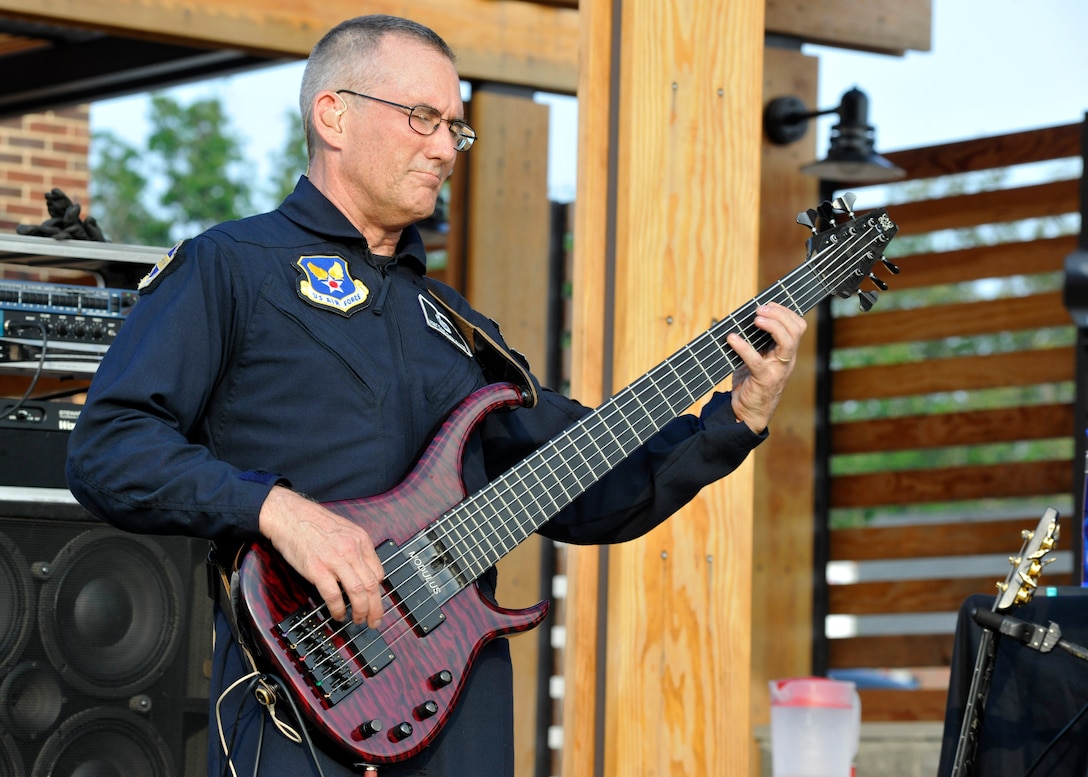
{"points": [[333, 655]]}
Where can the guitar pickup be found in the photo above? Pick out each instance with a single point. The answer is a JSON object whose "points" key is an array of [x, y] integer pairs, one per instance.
{"points": [[416, 582], [334, 656]]}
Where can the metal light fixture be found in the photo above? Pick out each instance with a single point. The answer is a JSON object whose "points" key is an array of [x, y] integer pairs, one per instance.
{"points": [[851, 156]]}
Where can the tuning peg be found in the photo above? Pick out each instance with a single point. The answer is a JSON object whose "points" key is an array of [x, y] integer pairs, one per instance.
{"points": [[880, 284], [827, 211], [845, 202], [867, 300], [893, 269], [807, 218]]}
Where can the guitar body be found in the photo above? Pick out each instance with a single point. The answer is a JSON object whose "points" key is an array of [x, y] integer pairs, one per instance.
{"points": [[383, 694]]}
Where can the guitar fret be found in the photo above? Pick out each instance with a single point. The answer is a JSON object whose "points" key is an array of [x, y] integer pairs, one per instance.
{"points": [[786, 292]]}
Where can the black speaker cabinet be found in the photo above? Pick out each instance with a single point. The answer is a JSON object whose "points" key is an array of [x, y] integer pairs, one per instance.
{"points": [[105, 645]]}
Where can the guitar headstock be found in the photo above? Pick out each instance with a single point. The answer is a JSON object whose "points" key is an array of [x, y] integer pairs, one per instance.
{"points": [[1023, 579], [844, 247]]}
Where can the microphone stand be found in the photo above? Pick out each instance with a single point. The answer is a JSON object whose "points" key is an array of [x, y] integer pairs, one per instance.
{"points": [[1042, 639]]}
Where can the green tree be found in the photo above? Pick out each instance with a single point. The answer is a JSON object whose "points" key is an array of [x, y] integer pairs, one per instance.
{"points": [[290, 163], [201, 162], [192, 174], [118, 187]]}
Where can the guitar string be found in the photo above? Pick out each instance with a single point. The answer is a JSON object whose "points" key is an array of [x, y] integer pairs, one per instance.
{"points": [[710, 343], [762, 340]]}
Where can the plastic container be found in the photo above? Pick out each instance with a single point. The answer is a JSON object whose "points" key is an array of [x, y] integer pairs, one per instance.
{"points": [[815, 727]]}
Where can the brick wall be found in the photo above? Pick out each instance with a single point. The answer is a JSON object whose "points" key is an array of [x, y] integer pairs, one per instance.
{"points": [[39, 152]]}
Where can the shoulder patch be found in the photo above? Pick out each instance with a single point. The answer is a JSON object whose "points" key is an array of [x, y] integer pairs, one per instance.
{"points": [[440, 323], [148, 282], [326, 283]]}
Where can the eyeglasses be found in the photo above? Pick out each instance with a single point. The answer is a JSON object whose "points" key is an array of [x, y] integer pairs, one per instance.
{"points": [[426, 120]]}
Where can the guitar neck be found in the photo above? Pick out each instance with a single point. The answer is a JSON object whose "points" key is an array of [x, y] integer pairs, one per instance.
{"points": [[492, 522], [516, 504]]}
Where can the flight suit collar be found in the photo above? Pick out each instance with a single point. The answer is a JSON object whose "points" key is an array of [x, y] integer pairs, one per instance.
{"points": [[311, 210]]}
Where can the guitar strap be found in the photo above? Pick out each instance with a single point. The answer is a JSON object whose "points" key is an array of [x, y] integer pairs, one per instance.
{"points": [[223, 589], [499, 364]]}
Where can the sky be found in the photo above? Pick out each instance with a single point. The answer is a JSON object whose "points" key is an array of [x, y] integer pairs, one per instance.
{"points": [[995, 66]]}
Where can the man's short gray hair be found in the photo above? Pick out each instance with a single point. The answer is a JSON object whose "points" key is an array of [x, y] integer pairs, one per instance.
{"points": [[343, 59]]}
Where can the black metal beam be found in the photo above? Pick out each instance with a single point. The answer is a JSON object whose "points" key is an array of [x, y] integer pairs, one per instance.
{"points": [[70, 72]]}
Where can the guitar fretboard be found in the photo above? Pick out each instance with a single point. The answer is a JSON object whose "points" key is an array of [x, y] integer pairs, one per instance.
{"points": [[485, 527]]}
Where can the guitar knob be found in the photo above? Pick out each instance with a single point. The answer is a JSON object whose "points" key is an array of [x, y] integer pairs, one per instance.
{"points": [[427, 709], [442, 679], [401, 731], [370, 728]]}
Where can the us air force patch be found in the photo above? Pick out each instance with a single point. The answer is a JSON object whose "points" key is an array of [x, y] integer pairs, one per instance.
{"points": [[440, 322], [159, 269], [326, 283]]}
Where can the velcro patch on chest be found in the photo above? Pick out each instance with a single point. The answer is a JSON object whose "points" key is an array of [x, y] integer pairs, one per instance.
{"points": [[326, 283], [440, 322]]}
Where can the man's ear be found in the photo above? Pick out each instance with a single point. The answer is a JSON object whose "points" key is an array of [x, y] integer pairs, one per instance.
{"points": [[328, 108]]}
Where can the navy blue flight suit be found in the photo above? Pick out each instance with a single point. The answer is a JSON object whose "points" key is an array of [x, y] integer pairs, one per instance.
{"points": [[278, 349]]}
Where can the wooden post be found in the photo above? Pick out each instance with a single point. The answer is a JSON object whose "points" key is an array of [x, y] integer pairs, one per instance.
{"points": [[666, 239], [783, 572], [508, 243]]}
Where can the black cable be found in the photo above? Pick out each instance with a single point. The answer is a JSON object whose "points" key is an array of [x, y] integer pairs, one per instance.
{"points": [[260, 747], [37, 373], [1054, 741], [274, 680], [234, 729]]}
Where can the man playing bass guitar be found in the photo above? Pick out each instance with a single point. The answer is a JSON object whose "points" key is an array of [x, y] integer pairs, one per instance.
{"points": [[301, 357]]}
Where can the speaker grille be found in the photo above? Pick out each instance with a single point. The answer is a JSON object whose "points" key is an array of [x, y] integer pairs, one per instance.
{"points": [[105, 644], [102, 741], [111, 613], [16, 603]]}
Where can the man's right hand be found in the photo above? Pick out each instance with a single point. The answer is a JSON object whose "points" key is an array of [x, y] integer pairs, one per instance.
{"points": [[333, 553]]}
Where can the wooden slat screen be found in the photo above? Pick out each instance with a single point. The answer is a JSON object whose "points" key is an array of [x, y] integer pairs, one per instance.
{"points": [[951, 419]]}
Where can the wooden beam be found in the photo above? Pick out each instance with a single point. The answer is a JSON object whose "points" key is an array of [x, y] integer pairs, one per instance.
{"points": [[893, 651], [591, 321], [783, 551], [973, 538], [1016, 368], [532, 44], [679, 149], [934, 430], [883, 26], [961, 319], [507, 257], [984, 261], [951, 484], [998, 151], [496, 40]]}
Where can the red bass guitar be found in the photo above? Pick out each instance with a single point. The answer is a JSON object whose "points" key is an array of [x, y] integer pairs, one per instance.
{"points": [[383, 695]]}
